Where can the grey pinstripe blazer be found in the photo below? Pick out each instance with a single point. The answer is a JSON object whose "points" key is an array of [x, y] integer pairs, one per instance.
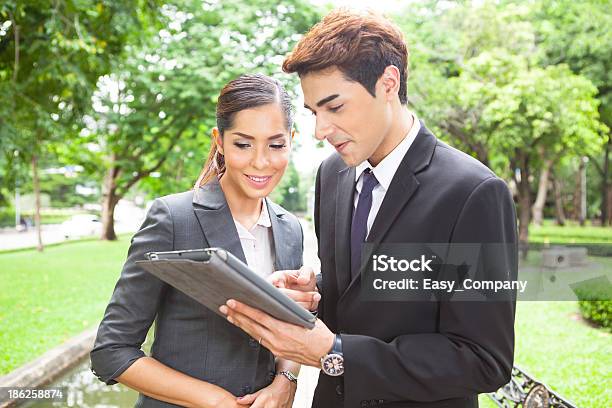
{"points": [[188, 337]]}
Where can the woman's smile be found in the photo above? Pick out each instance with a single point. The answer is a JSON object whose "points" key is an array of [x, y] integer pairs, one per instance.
{"points": [[258, 182]]}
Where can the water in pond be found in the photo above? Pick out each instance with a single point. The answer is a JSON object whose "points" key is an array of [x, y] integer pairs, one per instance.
{"points": [[84, 390]]}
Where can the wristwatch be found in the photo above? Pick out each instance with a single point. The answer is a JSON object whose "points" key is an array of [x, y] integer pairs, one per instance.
{"points": [[332, 363]]}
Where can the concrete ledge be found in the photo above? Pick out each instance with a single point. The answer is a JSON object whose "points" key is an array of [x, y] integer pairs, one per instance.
{"points": [[48, 366]]}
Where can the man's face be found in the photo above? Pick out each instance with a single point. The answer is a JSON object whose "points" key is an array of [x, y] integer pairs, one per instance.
{"points": [[347, 115]]}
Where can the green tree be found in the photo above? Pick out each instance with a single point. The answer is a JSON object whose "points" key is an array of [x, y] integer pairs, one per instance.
{"points": [[443, 38], [51, 54], [578, 34], [478, 79], [539, 117], [154, 113]]}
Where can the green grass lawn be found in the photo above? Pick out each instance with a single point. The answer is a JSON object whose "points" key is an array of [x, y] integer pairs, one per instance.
{"points": [[48, 297], [556, 347], [569, 233]]}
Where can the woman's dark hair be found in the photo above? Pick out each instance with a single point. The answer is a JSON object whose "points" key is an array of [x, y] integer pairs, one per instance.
{"points": [[244, 92]]}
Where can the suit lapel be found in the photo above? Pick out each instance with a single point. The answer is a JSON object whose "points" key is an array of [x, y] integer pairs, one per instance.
{"points": [[345, 194], [216, 220], [282, 234], [403, 186]]}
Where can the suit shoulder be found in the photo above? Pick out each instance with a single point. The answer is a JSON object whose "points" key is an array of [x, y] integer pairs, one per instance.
{"points": [[459, 165], [178, 201], [332, 165]]}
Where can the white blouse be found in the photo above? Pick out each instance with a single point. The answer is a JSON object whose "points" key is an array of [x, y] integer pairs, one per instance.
{"points": [[257, 243]]}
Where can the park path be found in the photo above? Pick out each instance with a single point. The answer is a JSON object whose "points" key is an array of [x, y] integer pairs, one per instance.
{"points": [[51, 234], [307, 379]]}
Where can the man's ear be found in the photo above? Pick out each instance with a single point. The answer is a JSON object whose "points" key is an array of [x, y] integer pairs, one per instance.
{"points": [[217, 139], [390, 81]]}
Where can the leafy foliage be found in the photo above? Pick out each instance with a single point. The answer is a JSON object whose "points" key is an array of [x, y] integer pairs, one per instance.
{"points": [[50, 55], [154, 112], [485, 79], [598, 312]]}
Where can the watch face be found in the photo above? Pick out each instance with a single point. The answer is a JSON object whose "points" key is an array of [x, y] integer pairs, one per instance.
{"points": [[333, 364]]}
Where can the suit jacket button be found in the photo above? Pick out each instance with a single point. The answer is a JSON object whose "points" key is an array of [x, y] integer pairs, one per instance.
{"points": [[246, 389], [339, 390], [253, 343]]}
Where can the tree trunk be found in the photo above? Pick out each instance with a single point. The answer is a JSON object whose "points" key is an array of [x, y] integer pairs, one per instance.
{"points": [[108, 214], [524, 218], [109, 202], [483, 156], [610, 204], [36, 182], [583, 191], [524, 199], [576, 195], [559, 211], [540, 201], [606, 186]]}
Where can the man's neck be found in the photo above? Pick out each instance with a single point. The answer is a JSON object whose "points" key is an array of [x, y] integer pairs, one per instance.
{"points": [[397, 132]]}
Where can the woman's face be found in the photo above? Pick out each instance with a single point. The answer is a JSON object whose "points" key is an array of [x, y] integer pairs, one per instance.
{"points": [[256, 150]]}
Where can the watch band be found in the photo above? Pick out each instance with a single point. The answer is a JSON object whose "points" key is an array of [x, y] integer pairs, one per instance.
{"points": [[288, 375], [337, 346]]}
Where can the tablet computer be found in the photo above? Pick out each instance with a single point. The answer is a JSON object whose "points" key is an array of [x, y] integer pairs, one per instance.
{"points": [[211, 276]]}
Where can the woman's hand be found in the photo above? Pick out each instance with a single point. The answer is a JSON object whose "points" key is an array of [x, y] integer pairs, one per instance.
{"points": [[300, 285], [279, 394]]}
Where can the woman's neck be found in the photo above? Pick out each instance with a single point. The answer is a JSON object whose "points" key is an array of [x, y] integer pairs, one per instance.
{"points": [[244, 209]]}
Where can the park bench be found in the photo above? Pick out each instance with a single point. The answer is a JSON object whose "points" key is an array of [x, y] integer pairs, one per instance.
{"points": [[526, 392]]}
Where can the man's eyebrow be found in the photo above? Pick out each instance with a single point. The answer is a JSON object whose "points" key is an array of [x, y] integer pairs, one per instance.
{"points": [[276, 136], [323, 101]]}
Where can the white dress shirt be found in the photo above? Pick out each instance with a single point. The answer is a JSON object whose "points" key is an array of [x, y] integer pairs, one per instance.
{"points": [[257, 243], [384, 171]]}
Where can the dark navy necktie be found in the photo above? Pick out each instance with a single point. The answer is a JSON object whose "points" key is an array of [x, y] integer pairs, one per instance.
{"points": [[359, 226]]}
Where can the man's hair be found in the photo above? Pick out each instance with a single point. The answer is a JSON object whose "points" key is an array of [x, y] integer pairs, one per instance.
{"points": [[360, 45]]}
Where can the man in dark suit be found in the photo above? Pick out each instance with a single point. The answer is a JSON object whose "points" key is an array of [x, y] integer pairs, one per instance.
{"points": [[390, 181]]}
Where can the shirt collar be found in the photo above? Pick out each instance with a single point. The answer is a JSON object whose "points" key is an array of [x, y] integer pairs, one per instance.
{"points": [[264, 217], [385, 170]]}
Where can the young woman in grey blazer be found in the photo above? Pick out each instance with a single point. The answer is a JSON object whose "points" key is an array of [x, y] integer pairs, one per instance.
{"points": [[198, 359]]}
